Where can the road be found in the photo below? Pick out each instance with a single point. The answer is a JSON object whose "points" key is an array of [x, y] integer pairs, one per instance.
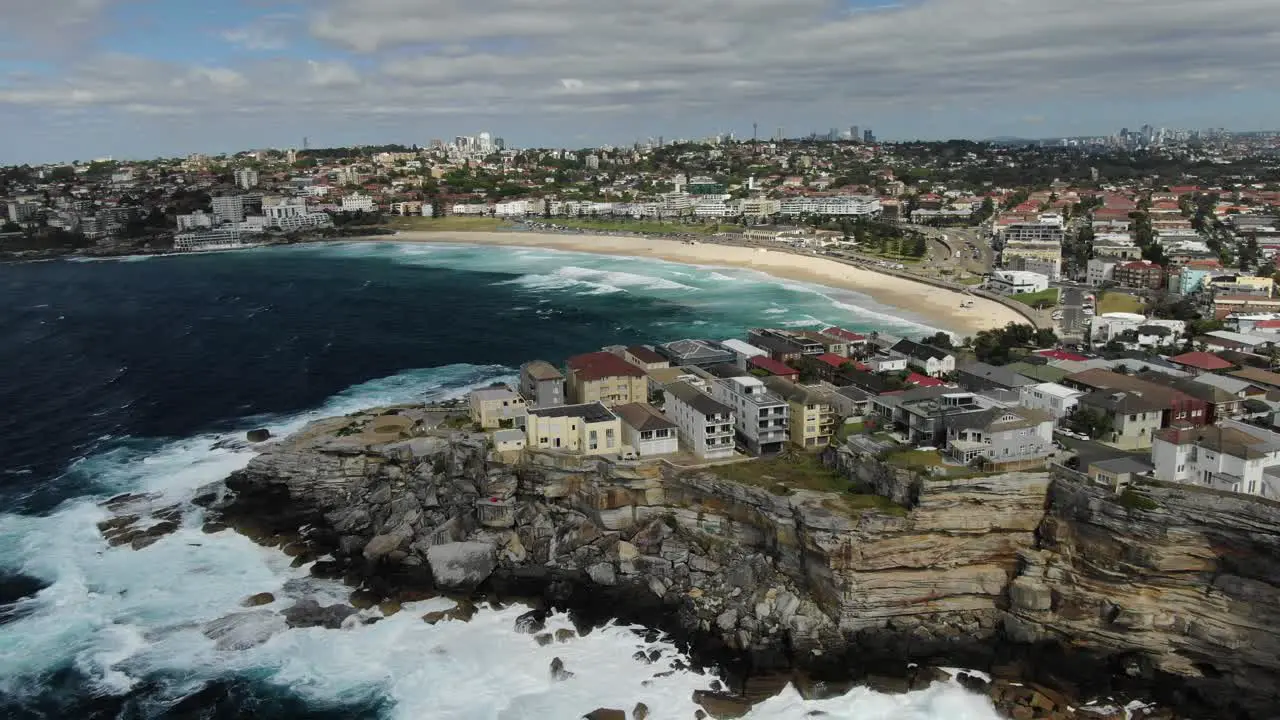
{"points": [[1091, 451], [1071, 303]]}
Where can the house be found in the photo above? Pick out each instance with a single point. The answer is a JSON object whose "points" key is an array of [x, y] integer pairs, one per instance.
{"points": [[1016, 282], [541, 384], [645, 358], [509, 441], [887, 362], [1005, 438], [1177, 406], [743, 352], [1242, 389], [827, 365], [773, 367], [1117, 472], [1229, 456], [496, 407], [761, 418], [588, 428], [979, 376], [1058, 401], [1134, 419], [796, 342], [647, 430], [854, 341], [848, 401], [705, 425], [930, 360], [922, 414], [1219, 403], [1257, 376], [812, 417], [779, 351], [695, 353], [1224, 305], [606, 378]]}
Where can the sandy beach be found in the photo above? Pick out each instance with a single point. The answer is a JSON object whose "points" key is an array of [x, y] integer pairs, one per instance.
{"points": [[939, 306]]}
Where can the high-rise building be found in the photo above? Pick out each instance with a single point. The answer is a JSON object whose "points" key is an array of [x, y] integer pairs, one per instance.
{"points": [[499, 143], [228, 208], [246, 178], [485, 143], [868, 136], [854, 135]]}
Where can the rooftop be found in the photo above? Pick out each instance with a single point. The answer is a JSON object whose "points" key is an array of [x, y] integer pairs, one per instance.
{"points": [[590, 412], [1201, 361], [645, 355], [600, 365], [698, 400], [773, 366], [643, 416], [494, 393], [542, 370]]}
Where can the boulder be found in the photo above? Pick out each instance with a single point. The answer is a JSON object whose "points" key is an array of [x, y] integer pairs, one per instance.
{"points": [[263, 598], [558, 673], [640, 712], [461, 565], [243, 630], [382, 545], [606, 714], [564, 635], [532, 622], [259, 435], [721, 705], [309, 613]]}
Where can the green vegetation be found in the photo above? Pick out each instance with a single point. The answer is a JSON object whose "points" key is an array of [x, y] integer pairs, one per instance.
{"points": [[1002, 346], [457, 422], [915, 459], [1133, 500], [1042, 299], [844, 431], [784, 474], [1091, 422], [455, 223], [1109, 302], [655, 227]]}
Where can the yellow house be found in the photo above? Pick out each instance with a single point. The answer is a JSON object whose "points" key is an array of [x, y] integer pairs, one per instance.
{"points": [[497, 407], [590, 429], [605, 378], [812, 420]]}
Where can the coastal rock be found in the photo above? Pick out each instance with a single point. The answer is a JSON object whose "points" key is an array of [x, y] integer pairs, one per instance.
{"points": [[243, 630], [308, 612], [606, 714], [259, 599], [259, 435], [461, 565], [558, 673], [640, 712], [532, 622]]}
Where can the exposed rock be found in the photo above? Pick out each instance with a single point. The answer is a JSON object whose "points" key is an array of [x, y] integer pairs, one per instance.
{"points": [[259, 435], [606, 714], [263, 598], [308, 612], [558, 672], [722, 705], [461, 565], [640, 712], [564, 635], [534, 621], [543, 639], [243, 630]]}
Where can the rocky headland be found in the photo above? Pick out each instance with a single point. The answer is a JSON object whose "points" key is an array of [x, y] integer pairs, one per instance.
{"points": [[1064, 591]]}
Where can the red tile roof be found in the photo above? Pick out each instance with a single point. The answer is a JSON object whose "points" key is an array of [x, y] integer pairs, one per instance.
{"points": [[832, 359], [1201, 361], [773, 367], [842, 334], [1061, 355], [1267, 324], [600, 365], [924, 380]]}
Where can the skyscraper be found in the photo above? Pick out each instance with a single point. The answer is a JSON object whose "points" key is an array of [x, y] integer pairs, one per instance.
{"points": [[868, 137], [854, 135]]}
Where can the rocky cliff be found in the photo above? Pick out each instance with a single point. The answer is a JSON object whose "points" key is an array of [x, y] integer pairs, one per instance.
{"points": [[1169, 592]]}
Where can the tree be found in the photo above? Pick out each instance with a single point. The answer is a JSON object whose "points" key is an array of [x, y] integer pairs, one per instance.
{"points": [[1094, 423], [918, 246], [938, 340]]}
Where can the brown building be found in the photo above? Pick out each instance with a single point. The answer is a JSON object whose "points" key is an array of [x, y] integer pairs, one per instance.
{"points": [[1176, 405], [1140, 274]]}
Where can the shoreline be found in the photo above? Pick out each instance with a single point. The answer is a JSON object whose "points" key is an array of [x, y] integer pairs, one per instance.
{"points": [[935, 305]]}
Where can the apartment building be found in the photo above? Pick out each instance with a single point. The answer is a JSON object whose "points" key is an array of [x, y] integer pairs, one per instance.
{"points": [[762, 418], [843, 205], [246, 178], [705, 425], [1176, 406], [1139, 274], [228, 208], [355, 202], [497, 407], [589, 429], [606, 378], [812, 417], [647, 431], [695, 353], [541, 384]]}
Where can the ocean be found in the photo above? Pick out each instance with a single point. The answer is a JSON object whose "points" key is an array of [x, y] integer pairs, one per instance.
{"points": [[129, 375]]}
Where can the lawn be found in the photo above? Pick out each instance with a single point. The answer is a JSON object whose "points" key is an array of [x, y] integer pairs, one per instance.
{"points": [[453, 223], [844, 431], [782, 475], [1110, 302], [916, 459], [1034, 299], [654, 227]]}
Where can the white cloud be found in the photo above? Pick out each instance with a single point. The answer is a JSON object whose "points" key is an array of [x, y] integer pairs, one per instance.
{"points": [[266, 33]]}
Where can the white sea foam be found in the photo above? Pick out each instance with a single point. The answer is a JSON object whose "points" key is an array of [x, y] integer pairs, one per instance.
{"points": [[123, 616]]}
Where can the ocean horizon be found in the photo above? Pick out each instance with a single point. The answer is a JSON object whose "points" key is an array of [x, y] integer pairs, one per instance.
{"points": [[142, 375]]}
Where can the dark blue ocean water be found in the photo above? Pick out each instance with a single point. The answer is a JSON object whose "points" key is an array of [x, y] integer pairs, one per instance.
{"points": [[119, 376]]}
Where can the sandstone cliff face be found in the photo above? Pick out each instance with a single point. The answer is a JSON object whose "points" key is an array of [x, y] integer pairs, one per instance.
{"points": [[1180, 595], [1184, 582]]}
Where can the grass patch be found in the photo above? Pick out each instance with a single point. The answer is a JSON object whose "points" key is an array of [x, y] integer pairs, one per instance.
{"points": [[654, 227], [844, 431], [457, 422], [783, 475], [454, 223], [1110, 302], [1131, 500], [915, 459], [971, 281], [1035, 299]]}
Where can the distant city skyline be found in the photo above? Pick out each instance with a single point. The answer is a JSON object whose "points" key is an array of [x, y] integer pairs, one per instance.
{"points": [[141, 78]]}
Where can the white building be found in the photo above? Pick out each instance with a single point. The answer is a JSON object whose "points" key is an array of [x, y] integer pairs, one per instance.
{"points": [[469, 209], [1056, 400], [355, 202], [1229, 456], [762, 418], [290, 215], [834, 205], [647, 431], [198, 220], [1099, 271], [711, 208], [1108, 326], [676, 202], [228, 208], [705, 424], [511, 208], [759, 207], [225, 239], [1013, 282], [246, 178], [743, 352]]}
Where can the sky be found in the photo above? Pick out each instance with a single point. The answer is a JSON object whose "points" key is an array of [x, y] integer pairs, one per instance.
{"points": [[144, 78]]}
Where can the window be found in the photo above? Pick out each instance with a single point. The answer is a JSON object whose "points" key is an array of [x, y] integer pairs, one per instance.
{"points": [[1133, 418], [593, 441], [647, 434], [609, 439]]}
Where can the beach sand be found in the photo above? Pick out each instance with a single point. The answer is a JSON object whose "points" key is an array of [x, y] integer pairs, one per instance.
{"points": [[939, 306]]}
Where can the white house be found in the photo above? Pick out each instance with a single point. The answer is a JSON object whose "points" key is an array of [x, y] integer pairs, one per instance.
{"points": [[647, 430], [705, 424], [1107, 326], [1229, 456], [1056, 400], [742, 351], [1013, 282]]}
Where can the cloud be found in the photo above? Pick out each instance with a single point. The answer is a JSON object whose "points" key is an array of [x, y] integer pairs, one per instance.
{"points": [[49, 27], [267, 33]]}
